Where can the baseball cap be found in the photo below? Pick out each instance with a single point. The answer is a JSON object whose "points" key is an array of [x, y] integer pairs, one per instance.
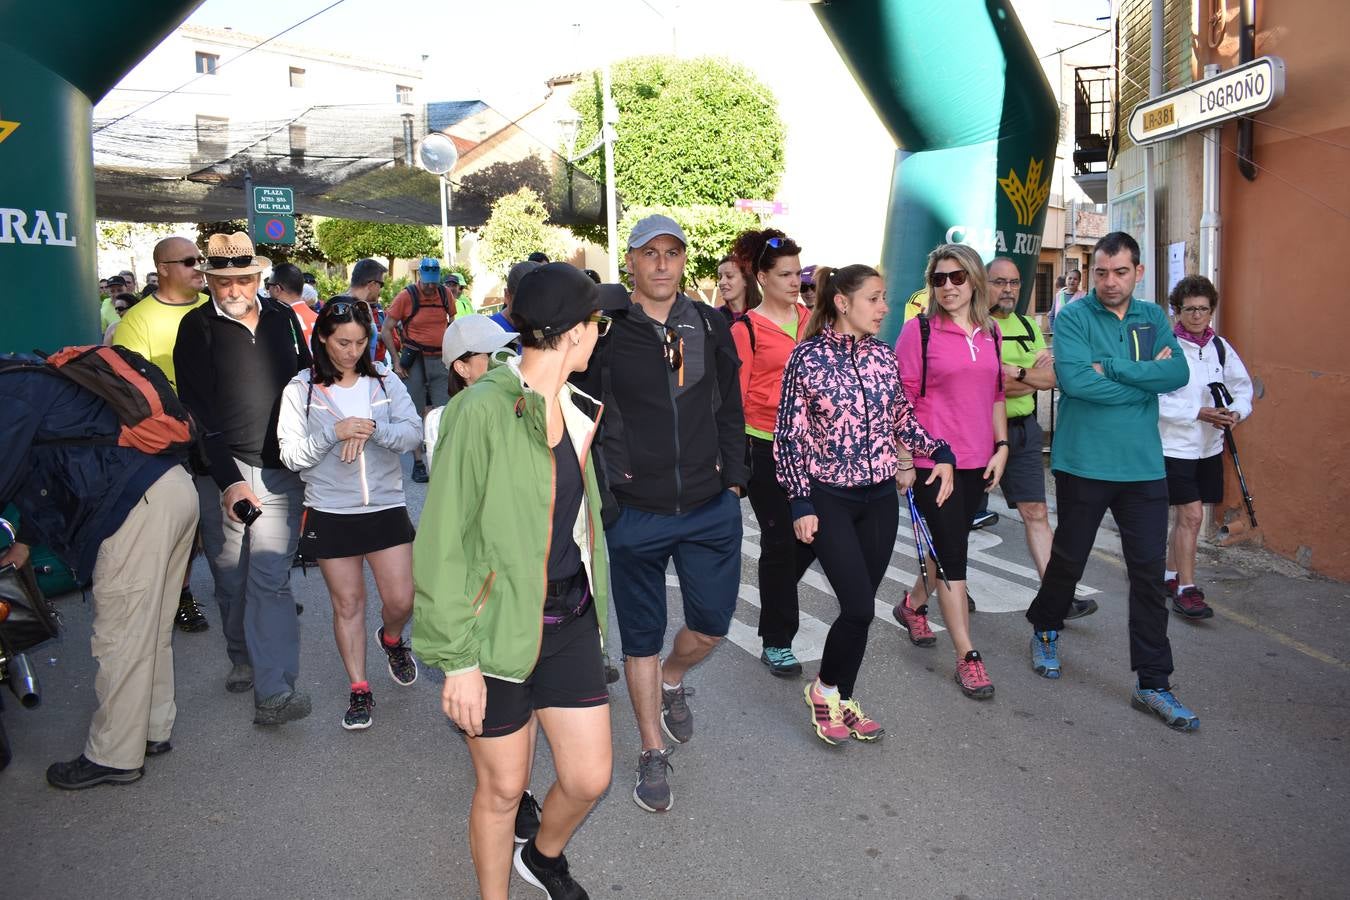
{"points": [[473, 334], [430, 265], [552, 299], [519, 271], [809, 275], [653, 227], [117, 281], [455, 277]]}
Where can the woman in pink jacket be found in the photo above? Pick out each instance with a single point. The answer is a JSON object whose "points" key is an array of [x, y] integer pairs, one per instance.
{"points": [[955, 378], [844, 426]]}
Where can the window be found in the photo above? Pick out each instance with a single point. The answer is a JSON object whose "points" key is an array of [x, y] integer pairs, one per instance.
{"points": [[402, 93], [297, 77], [206, 63], [1045, 287], [298, 139], [213, 135]]}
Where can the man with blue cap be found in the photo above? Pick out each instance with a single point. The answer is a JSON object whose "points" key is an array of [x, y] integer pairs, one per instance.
{"points": [[420, 313]]}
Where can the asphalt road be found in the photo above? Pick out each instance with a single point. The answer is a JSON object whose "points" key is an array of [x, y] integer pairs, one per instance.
{"points": [[1051, 789]]}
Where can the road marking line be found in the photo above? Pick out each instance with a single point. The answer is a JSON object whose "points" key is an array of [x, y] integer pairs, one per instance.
{"points": [[1282, 638]]}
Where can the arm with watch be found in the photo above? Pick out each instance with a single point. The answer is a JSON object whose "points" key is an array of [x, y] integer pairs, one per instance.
{"points": [[1019, 381]]}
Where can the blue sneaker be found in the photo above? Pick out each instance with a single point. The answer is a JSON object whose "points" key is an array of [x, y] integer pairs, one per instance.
{"points": [[781, 661], [1166, 707], [1045, 653]]}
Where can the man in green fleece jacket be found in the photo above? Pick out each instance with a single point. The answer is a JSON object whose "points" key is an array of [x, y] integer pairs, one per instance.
{"points": [[1113, 356]]}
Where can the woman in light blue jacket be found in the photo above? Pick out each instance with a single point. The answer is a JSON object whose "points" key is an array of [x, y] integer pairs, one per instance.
{"points": [[343, 427]]}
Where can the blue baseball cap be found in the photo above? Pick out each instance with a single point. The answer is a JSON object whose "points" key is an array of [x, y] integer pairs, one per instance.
{"points": [[430, 266]]}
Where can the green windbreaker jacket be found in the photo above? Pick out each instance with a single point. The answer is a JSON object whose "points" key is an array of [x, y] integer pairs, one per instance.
{"points": [[1108, 423], [480, 558]]}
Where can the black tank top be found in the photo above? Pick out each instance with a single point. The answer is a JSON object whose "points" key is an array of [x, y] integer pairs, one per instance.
{"points": [[564, 556]]}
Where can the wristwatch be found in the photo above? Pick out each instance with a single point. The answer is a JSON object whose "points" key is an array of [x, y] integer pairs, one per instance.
{"points": [[998, 444], [1021, 373]]}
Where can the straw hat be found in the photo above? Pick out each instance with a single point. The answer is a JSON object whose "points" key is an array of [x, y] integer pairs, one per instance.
{"points": [[232, 254]]}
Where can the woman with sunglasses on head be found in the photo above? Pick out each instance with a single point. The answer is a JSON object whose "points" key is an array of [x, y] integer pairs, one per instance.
{"points": [[512, 577], [1191, 422], [949, 363], [739, 293], [343, 426], [843, 427], [765, 337]]}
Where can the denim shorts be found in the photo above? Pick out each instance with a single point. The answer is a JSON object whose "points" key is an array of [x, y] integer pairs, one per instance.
{"points": [[705, 543]]}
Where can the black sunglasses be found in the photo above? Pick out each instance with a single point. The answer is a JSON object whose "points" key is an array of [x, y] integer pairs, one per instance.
{"points": [[189, 261], [602, 323], [938, 279], [227, 262], [774, 242], [673, 348]]}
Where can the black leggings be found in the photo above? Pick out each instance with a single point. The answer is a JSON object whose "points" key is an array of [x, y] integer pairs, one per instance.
{"points": [[854, 541], [950, 522], [782, 558]]}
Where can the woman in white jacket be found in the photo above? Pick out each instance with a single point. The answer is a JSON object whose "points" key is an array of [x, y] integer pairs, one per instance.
{"points": [[343, 427], [1191, 424]]}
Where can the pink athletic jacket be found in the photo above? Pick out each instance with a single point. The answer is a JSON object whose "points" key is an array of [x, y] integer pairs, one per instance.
{"points": [[842, 416]]}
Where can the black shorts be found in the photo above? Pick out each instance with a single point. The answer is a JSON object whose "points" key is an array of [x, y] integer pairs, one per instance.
{"points": [[325, 535], [1194, 480], [569, 674], [950, 522]]}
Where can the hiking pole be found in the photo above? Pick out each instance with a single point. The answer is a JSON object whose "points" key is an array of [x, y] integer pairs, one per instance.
{"points": [[1219, 391], [916, 516], [918, 544]]}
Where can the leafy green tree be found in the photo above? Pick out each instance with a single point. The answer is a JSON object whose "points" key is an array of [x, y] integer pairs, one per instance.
{"points": [[346, 240], [692, 132], [517, 227]]}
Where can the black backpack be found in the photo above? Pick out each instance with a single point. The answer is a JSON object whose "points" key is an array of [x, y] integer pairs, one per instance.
{"points": [[926, 331]]}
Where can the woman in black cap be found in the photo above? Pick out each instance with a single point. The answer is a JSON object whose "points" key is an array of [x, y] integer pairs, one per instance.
{"points": [[511, 582]]}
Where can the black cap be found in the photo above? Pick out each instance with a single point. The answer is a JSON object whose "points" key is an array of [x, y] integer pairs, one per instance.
{"points": [[552, 299]]}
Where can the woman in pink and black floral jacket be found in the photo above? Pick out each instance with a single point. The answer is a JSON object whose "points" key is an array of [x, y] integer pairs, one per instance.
{"points": [[842, 446]]}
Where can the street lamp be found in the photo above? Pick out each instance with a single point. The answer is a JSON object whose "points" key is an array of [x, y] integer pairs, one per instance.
{"points": [[438, 155]]}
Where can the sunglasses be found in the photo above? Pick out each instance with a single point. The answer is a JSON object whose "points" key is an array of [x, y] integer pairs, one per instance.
{"points": [[189, 261], [602, 323], [379, 283], [774, 242], [938, 279], [808, 289], [227, 262], [673, 349]]}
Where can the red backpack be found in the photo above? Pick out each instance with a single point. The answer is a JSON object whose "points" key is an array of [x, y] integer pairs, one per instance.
{"points": [[153, 419]]}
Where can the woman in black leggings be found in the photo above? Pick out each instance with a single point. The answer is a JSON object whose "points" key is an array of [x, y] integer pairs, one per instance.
{"points": [[843, 426]]}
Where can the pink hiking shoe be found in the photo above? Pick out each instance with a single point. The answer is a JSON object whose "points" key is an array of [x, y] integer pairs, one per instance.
{"points": [[857, 722], [972, 677], [915, 622]]}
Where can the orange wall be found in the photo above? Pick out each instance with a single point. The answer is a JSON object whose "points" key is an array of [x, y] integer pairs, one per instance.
{"points": [[1285, 270]]}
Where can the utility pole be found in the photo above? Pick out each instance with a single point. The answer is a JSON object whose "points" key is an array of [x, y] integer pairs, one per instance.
{"points": [[611, 116]]}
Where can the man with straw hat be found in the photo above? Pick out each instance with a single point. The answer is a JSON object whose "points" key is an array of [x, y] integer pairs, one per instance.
{"points": [[233, 357]]}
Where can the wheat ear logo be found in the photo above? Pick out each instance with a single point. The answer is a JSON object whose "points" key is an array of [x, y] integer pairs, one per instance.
{"points": [[1027, 197]]}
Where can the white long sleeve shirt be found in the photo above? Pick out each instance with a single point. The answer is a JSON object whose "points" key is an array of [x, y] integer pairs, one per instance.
{"points": [[1183, 435]]}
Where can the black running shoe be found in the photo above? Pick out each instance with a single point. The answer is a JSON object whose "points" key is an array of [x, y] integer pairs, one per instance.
{"points": [[983, 519], [402, 666], [527, 818], [556, 882], [189, 617], [1080, 607], [358, 713], [419, 472]]}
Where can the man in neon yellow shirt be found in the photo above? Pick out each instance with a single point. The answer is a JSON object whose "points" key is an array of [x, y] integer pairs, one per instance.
{"points": [[151, 327]]}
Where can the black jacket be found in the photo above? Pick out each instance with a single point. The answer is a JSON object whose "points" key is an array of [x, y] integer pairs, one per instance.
{"points": [[232, 380], [670, 440], [70, 496]]}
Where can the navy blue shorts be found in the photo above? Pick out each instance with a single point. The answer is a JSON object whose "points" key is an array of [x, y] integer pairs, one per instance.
{"points": [[706, 545]]}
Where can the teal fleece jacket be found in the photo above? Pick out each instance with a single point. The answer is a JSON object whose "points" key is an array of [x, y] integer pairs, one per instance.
{"points": [[1108, 423]]}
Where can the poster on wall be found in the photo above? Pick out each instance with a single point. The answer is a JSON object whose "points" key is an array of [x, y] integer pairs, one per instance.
{"points": [[1126, 213]]}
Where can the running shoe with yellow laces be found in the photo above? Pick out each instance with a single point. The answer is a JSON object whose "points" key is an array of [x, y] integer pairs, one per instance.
{"points": [[857, 722], [827, 715]]}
